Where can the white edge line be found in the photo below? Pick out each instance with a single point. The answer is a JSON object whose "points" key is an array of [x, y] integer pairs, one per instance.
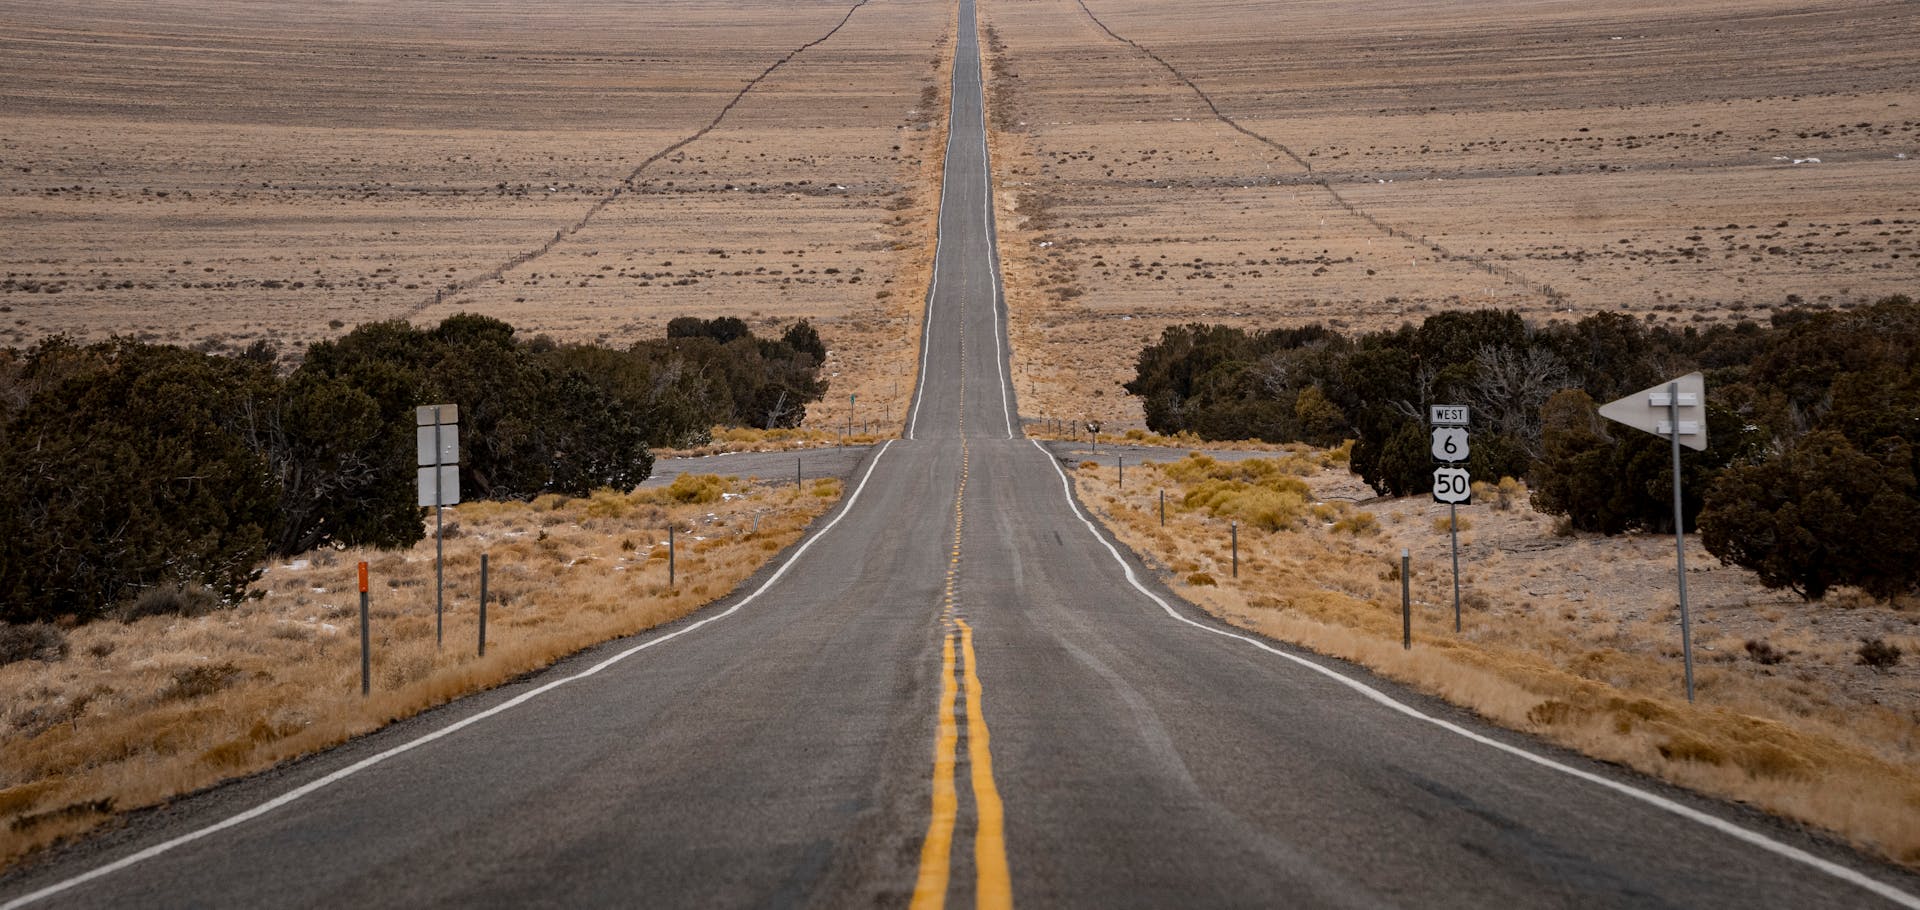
{"points": [[368, 762], [1737, 832], [939, 240], [993, 241]]}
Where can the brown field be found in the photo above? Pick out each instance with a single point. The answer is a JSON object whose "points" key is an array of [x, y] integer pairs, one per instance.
{"points": [[142, 711], [1559, 159], [1572, 638], [242, 170]]}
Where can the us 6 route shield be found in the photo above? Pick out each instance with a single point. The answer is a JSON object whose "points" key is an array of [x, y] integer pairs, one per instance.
{"points": [[1449, 444]]}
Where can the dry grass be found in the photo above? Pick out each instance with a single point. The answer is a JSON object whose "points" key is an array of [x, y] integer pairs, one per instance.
{"points": [[746, 439], [1574, 640], [144, 711]]}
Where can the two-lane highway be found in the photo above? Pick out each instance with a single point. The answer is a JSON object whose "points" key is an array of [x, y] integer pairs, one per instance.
{"points": [[954, 691]]}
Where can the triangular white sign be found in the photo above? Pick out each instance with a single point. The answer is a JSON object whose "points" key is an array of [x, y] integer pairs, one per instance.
{"points": [[1650, 410]]}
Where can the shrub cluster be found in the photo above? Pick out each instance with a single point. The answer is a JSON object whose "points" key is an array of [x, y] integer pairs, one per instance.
{"points": [[1813, 418], [128, 467], [1262, 493]]}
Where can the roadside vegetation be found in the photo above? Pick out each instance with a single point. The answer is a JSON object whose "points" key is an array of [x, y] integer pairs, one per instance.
{"points": [[182, 694], [1813, 419], [136, 475], [1809, 713]]}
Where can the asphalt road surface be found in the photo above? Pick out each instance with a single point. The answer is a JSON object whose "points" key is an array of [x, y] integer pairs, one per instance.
{"points": [[953, 691]]}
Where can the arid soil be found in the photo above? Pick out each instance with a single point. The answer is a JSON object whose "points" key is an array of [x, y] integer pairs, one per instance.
{"points": [[233, 171], [1362, 164]]}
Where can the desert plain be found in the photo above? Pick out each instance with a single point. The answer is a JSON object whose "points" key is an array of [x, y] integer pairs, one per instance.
{"points": [[223, 173], [1363, 164]]}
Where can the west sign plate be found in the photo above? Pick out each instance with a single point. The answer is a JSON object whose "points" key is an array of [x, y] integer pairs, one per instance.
{"points": [[1447, 415]]}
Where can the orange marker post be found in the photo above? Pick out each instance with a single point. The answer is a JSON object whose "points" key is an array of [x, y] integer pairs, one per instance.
{"points": [[366, 643]]}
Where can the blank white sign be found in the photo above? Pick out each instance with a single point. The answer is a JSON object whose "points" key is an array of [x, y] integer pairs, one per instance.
{"points": [[449, 486], [449, 445]]}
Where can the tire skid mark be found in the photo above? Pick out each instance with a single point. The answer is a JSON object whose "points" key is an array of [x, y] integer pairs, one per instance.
{"points": [[1492, 268], [599, 205]]}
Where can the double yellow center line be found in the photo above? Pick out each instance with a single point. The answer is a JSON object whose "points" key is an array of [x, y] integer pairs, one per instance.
{"points": [[992, 887]]}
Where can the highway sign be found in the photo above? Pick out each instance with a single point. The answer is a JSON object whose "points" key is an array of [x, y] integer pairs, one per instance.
{"points": [[448, 438], [1452, 485], [1652, 410], [1449, 444], [437, 449], [1448, 415], [427, 415], [448, 491], [1676, 410], [437, 445]]}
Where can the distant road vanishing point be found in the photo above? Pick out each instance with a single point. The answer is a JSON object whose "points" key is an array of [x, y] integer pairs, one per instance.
{"points": [[957, 690]]}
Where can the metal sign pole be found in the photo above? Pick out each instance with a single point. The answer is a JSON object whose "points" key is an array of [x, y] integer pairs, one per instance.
{"points": [[1453, 531], [439, 539], [1680, 535]]}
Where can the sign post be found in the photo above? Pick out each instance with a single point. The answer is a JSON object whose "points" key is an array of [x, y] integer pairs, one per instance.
{"points": [[1675, 400], [1451, 485], [437, 446]]}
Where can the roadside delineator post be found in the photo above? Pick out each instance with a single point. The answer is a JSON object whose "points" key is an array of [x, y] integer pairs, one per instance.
{"points": [[1163, 508], [1406, 600], [366, 639], [1121, 460], [483, 605], [670, 566], [1233, 528]]}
